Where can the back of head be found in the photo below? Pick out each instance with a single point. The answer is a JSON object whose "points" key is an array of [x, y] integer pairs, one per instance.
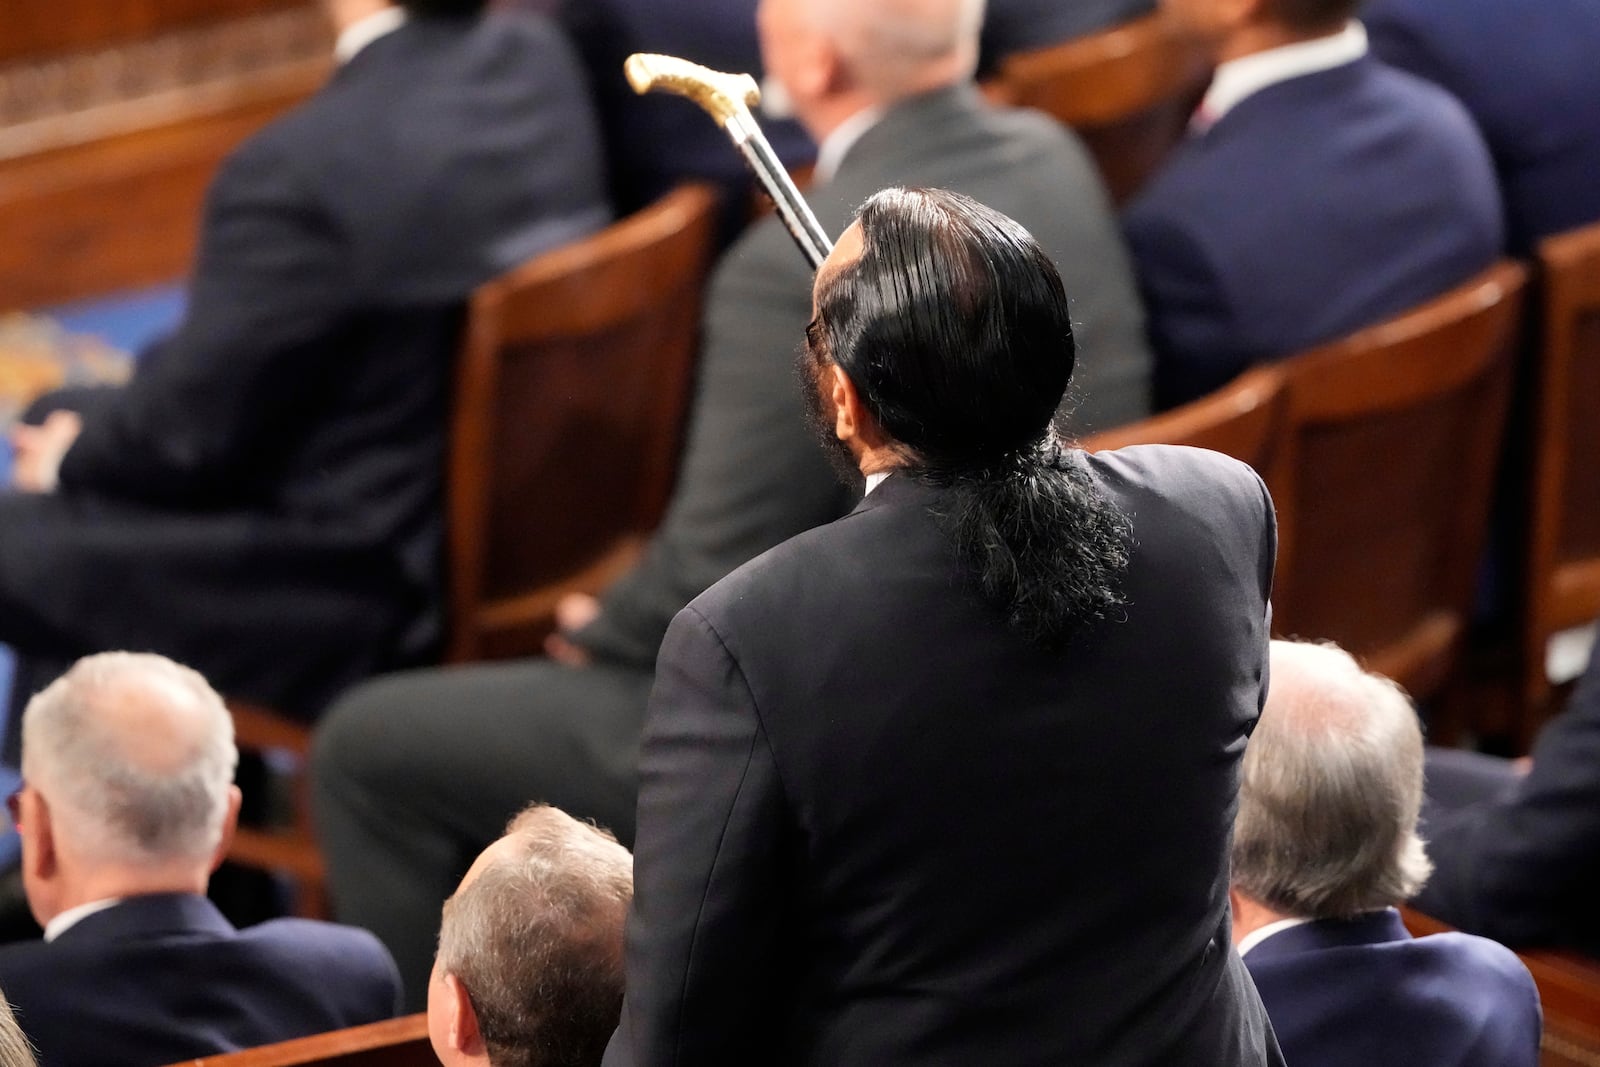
{"points": [[1332, 789], [535, 937], [956, 331], [890, 47], [136, 756]]}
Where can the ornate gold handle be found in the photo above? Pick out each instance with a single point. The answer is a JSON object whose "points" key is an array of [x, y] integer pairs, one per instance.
{"points": [[724, 97]]}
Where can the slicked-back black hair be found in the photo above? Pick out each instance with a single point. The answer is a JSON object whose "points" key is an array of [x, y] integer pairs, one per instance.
{"points": [[955, 328]]}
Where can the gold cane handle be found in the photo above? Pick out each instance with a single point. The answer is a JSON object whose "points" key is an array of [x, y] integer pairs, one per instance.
{"points": [[723, 96]]}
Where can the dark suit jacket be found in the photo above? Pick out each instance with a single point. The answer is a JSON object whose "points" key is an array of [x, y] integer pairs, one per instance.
{"points": [[1526, 869], [1364, 993], [1023, 25], [164, 978], [263, 499], [1315, 207], [654, 141], [1528, 75], [876, 826], [752, 474]]}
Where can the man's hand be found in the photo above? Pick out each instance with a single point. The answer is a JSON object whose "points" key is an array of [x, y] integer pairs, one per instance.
{"points": [[40, 450], [573, 612]]}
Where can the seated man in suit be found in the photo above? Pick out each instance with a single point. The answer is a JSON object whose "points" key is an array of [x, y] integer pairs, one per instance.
{"points": [[890, 767], [1318, 192], [263, 498], [529, 971], [1325, 848], [1527, 73], [1516, 850], [417, 772], [127, 808]]}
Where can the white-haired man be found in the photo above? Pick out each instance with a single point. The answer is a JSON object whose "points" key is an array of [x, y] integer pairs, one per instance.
{"points": [[529, 971], [126, 809], [417, 772], [1325, 847]]}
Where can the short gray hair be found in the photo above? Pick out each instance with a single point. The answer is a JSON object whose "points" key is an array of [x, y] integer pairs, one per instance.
{"points": [[14, 1048], [536, 940], [135, 755], [1327, 820]]}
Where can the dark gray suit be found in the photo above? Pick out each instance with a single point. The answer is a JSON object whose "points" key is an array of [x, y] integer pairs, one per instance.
{"points": [[876, 826], [416, 772]]}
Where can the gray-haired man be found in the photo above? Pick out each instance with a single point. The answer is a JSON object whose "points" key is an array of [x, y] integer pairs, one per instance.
{"points": [[127, 808], [1325, 846], [529, 971]]}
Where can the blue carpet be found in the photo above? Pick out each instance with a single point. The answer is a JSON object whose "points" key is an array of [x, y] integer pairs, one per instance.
{"points": [[128, 320]]}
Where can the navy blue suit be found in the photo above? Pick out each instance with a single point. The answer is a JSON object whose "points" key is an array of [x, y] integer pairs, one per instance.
{"points": [[1364, 993], [1524, 867], [1315, 207], [1528, 74], [163, 978]]}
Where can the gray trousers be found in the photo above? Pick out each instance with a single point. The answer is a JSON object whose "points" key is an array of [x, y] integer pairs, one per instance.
{"points": [[414, 773]]}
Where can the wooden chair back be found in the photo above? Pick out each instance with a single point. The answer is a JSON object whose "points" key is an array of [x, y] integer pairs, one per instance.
{"points": [[1563, 564], [571, 394], [1127, 91], [1239, 420], [1383, 477], [1569, 990], [399, 1042]]}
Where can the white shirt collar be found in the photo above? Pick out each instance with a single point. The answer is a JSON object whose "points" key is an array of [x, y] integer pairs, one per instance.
{"points": [[363, 32], [875, 480], [73, 916], [837, 145], [1255, 937], [1244, 77]]}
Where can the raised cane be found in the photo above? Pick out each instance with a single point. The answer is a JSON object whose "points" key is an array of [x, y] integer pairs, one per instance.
{"points": [[728, 99]]}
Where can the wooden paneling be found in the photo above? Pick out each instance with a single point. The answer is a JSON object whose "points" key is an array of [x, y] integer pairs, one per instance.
{"points": [[37, 28]]}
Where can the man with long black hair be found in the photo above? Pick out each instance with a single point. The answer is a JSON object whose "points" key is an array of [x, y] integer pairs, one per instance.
{"points": [[951, 780]]}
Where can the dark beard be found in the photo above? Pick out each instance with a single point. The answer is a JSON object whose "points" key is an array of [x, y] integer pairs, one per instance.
{"points": [[822, 416]]}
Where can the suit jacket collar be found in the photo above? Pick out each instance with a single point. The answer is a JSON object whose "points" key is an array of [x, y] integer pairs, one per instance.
{"points": [[1306, 90], [155, 915], [906, 123], [1373, 928]]}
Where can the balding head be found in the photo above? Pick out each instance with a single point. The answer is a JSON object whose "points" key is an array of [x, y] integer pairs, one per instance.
{"points": [[530, 966], [1327, 821], [836, 56], [136, 757]]}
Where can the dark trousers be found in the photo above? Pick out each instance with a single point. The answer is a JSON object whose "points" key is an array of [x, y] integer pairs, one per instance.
{"points": [[415, 773]]}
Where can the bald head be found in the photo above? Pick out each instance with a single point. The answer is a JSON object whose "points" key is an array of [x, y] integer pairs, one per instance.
{"points": [[136, 756], [864, 53], [1332, 788]]}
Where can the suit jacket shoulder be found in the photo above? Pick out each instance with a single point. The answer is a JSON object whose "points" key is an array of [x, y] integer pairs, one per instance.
{"points": [[1362, 991], [165, 978]]}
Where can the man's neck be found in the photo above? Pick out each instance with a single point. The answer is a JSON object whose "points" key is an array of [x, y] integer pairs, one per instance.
{"points": [[346, 13], [1250, 915], [1265, 36], [116, 883]]}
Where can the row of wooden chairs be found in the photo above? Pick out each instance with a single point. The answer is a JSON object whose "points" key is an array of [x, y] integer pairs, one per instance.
{"points": [[1382, 451], [571, 392]]}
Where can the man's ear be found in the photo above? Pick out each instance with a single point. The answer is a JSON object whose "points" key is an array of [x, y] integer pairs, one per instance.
{"points": [[230, 823], [41, 857], [463, 1032], [847, 409]]}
